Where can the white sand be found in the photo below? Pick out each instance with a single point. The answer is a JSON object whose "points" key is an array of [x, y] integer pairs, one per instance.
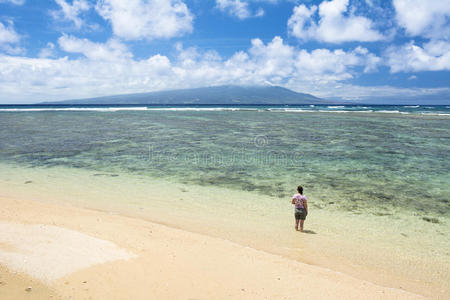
{"points": [[171, 263], [48, 252]]}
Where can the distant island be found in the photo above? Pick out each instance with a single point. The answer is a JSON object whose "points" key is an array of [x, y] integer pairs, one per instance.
{"points": [[227, 94]]}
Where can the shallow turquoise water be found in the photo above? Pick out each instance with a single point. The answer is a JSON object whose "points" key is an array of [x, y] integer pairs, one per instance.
{"points": [[362, 162]]}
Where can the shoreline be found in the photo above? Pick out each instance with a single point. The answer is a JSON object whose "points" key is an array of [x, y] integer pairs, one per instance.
{"points": [[401, 258], [177, 264]]}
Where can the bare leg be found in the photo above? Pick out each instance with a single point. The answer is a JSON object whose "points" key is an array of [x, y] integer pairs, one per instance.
{"points": [[296, 224], [301, 224]]}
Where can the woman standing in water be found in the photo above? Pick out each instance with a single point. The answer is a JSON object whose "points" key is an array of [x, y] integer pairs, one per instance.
{"points": [[301, 208]]}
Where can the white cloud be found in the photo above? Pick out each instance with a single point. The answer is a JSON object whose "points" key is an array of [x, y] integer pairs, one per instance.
{"points": [[336, 63], [260, 12], [15, 2], [109, 68], [7, 34], [48, 51], [152, 19], [275, 63], [428, 18], [433, 56], [72, 12], [57, 79], [9, 39], [333, 25], [111, 50], [238, 8]]}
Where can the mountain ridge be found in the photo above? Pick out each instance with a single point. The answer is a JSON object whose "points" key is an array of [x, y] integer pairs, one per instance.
{"points": [[224, 94]]}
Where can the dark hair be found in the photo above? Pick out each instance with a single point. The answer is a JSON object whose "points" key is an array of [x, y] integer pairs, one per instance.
{"points": [[300, 189]]}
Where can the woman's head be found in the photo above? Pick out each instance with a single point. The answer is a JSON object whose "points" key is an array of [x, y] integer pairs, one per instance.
{"points": [[300, 189]]}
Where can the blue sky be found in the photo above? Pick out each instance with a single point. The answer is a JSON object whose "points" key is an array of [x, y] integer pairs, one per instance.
{"points": [[351, 49]]}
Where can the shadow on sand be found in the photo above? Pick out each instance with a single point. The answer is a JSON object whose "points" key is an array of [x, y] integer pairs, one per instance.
{"points": [[309, 231]]}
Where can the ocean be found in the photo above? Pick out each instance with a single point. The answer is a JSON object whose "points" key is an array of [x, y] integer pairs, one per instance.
{"points": [[377, 174], [370, 158]]}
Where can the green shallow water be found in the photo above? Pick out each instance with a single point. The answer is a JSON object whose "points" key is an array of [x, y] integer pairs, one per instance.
{"points": [[356, 162]]}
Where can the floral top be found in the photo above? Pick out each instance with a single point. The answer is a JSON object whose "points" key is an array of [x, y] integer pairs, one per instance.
{"points": [[299, 201]]}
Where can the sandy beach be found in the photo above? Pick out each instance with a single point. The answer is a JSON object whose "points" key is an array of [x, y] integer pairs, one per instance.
{"points": [[145, 260], [155, 149]]}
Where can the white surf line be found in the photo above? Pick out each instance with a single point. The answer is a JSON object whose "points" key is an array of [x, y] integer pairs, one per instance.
{"points": [[77, 109]]}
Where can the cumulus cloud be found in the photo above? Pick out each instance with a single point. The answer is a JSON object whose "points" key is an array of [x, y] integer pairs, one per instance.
{"points": [[152, 19], [337, 62], [9, 38], [62, 78], [238, 8], [424, 18], [7, 34], [72, 12], [333, 25], [275, 63], [432, 56], [48, 51], [111, 50], [109, 68]]}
